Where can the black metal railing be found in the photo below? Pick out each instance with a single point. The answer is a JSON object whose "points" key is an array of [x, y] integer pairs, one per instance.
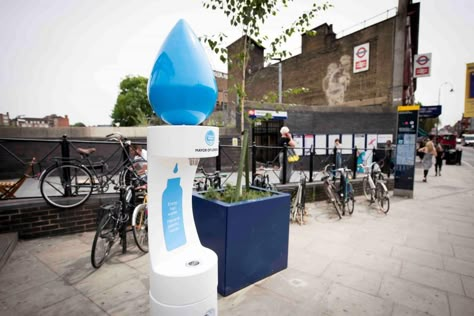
{"points": [[17, 153]]}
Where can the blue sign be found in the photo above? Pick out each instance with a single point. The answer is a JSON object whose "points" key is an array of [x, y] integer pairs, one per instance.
{"points": [[430, 111], [210, 138]]}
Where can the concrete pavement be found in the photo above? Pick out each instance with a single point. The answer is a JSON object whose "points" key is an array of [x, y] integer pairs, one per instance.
{"points": [[416, 260]]}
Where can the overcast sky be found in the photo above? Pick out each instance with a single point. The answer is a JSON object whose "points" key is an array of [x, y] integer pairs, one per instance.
{"points": [[69, 56]]}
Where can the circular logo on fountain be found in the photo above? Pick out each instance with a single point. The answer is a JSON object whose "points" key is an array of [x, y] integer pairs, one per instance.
{"points": [[210, 138]]}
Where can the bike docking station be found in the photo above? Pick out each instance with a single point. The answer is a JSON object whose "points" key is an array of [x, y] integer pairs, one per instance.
{"points": [[182, 91]]}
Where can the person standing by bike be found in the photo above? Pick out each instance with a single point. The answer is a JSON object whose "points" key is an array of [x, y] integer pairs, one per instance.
{"points": [[439, 159], [429, 152], [285, 139]]}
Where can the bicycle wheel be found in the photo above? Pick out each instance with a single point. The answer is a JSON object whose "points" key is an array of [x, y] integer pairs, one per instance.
{"points": [[103, 241], [366, 188], [140, 227], [259, 181], [350, 201], [66, 186], [382, 197], [331, 193], [294, 205]]}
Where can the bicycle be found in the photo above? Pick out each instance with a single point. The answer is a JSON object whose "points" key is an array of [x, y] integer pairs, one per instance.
{"points": [[140, 224], [209, 180], [298, 211], [330, 189], [346, 191], [262, 179], [374, 187], [70, 182], [113, 225]]}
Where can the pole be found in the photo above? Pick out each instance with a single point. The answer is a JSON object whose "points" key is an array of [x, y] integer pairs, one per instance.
{"points": [[280, 84], [439, 103]]}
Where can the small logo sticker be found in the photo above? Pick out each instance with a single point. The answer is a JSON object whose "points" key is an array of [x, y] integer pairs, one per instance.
{"points": [[210, 138]]}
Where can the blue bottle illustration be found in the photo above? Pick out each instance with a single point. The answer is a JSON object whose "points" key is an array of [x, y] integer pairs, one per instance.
{"points": [[172, 213]]}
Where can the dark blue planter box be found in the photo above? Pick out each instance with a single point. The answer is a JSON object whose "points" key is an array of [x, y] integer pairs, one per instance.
{"points": [[250, 238]]}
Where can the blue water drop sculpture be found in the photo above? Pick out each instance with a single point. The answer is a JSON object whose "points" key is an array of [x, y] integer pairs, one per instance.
{"points": [[175, 169], [182, 88]]}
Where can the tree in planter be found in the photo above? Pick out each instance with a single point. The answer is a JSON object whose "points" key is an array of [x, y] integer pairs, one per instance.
{"points": [[250, 16]]}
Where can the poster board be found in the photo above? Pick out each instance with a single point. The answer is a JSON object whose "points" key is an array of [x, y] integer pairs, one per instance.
{"points": [[331, 139], [347, 144], [308, 144], [382, 139], [299, 144], [371, 144], [359, 142], [321, 144]]}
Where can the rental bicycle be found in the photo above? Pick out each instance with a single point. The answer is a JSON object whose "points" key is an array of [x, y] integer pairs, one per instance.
{"points": [[69, 182], [113, 226], [373, 185]]}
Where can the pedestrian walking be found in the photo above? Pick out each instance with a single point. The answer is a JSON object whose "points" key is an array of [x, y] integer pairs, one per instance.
{"points": [[429, 152], [285, 139], [439, 159]]}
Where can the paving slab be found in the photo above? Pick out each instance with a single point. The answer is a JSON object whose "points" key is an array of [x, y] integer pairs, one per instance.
{"points": [[420, 257], [415, 260], [354, 277], [346, 301], [461, 306], [414, 295], [468, 284], [436, 278]]}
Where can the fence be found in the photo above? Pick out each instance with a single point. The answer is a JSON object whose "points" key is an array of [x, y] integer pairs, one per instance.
{"points": [[16, 153]]}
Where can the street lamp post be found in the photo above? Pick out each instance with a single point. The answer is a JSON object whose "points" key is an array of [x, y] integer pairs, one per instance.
{"points": [[280, 81], [439, 102]]}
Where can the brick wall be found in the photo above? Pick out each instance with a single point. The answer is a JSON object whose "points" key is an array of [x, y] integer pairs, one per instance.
{"points": [[33, 218], [309, 68]]}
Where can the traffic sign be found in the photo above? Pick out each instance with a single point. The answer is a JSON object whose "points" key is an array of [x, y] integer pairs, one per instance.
{"points": [[430, 111]]}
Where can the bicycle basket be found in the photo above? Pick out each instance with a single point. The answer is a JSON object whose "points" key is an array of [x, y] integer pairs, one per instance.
{"points": [[112, 208]]}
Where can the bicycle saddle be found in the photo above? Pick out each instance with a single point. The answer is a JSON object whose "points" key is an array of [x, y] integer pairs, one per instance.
{"points": [[85, 151]]}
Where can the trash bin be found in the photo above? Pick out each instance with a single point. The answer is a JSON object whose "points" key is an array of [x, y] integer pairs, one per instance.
{"points": [[451, 157], [458, 156]]}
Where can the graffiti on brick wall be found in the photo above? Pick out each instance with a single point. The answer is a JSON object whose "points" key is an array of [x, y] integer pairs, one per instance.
{"points": [[337, 80]]}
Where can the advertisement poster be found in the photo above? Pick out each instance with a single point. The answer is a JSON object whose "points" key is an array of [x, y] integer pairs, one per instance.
{"points": [[308, 144], [359, 142], [321, 144], [346, 143], [299, 144]]}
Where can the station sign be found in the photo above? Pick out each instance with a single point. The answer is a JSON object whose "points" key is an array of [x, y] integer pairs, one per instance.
{"points": [[422, 65], [275, 115], [361, 58]]}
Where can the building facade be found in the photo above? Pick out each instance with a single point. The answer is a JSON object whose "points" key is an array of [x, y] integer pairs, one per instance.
{"points": [[354, 83]]}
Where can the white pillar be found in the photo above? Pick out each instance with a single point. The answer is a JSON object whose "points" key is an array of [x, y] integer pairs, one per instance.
{"points": [[183, 274]]}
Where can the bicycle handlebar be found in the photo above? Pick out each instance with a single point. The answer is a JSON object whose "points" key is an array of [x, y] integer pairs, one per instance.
{"points": [[208, 175]]}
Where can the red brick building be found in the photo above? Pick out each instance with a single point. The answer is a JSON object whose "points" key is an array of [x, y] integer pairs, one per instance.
{"points": [[339, 98]]}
